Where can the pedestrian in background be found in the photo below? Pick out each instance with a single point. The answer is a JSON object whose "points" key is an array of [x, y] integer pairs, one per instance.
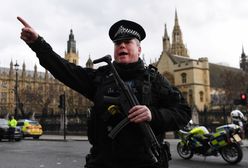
{"points": [[12, 126]]}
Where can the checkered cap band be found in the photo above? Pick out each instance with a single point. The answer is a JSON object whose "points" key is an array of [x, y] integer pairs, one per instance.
{"points": [[125, 31]]}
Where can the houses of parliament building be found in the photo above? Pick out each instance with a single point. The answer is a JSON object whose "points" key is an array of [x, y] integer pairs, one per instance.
{"points": [[38, 92], [28, 93]]}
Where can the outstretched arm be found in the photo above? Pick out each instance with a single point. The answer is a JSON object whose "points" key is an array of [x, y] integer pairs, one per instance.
{"points": [[75, 77], [28, 34]]}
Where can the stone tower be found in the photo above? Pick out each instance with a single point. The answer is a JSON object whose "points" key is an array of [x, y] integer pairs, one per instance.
{"points": [[72, 54]]}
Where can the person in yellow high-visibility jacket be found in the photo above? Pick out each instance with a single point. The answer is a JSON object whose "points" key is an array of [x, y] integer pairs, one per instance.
{"points": [[12, 125]]}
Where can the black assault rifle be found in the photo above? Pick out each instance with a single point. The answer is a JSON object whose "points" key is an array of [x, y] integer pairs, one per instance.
{"points": [[127, 100]]}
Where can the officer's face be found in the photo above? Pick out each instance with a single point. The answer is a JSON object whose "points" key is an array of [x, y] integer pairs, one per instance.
{"points": [[127, 51]]}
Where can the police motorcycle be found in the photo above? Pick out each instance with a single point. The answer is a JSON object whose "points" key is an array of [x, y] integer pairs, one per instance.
{"points": [[225, 141]]}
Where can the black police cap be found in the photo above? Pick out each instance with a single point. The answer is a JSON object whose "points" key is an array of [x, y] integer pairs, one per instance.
{"points": [[125, 30]]}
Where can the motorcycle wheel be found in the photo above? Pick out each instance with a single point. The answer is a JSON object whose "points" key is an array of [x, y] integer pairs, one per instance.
{"points": [[232, 153], [184, 151]]}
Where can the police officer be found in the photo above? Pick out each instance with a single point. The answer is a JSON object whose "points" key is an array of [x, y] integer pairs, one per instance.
{"points": [[162, 106], [238, 118], [12, 125]]}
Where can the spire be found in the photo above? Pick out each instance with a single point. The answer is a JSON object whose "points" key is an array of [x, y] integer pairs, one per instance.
{"points": [[243, 61], [165, 31], [35, 68], [24, 66], [11, 64], [11, 72], [35, 72], [243, 52], [243, 56], [46, 74], [23, 70], [176, 18], [166, 40], [71, 36], [89, 63], [178, 48], [71, 43]]}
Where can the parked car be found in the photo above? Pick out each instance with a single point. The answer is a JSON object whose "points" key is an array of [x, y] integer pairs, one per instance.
{"points": [[30, 128], [4, 131]]}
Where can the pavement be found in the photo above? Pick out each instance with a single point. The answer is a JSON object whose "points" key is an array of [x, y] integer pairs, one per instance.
{"points": [[62, 138], [85, 138]]}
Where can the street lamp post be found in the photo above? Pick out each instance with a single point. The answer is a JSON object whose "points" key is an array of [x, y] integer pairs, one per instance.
{"points": [[16, 88]]}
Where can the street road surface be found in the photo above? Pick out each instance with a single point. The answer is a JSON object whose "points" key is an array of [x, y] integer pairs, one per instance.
{"points": [[43, 154], [71, 154]]}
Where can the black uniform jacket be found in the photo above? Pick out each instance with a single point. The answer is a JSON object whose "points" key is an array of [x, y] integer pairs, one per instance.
{"points": [[168, 107]]}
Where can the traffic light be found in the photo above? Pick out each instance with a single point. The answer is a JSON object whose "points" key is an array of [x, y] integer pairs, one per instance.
{"points": [[243, 98], [62, 101]]}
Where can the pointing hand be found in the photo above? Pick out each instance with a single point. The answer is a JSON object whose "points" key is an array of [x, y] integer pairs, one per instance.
{"points": [[28, 34]]}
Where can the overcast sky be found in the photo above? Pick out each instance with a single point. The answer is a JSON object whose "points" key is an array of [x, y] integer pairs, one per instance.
{"points": [[216, 29]]}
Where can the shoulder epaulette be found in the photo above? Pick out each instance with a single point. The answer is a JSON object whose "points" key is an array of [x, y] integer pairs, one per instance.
{"points": [[151, 71], [153, 68]]}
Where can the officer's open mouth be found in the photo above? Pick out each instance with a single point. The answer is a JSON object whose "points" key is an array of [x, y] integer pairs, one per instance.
{"points": [[123, 53]]}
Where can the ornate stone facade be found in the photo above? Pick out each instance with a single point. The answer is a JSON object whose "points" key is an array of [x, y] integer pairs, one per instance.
{"points": [[189, 75], [38, 92], [203, 84]]}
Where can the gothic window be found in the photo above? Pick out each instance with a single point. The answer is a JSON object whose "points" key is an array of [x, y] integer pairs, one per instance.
{"points": [[40, 88], [28, 87], [4, 84], [4, 109], [201, 96], [3, 97], [177, 37], [184, 77]]}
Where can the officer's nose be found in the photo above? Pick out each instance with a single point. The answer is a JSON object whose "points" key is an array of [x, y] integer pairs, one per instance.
{"points": [[122, 44]]}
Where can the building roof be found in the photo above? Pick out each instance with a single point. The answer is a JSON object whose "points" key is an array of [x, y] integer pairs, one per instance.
{"points": [[216, 71], [4, 70], [179, 59]]}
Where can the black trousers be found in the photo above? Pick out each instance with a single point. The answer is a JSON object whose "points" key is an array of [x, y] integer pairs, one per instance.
{"points": [[11, 133]]}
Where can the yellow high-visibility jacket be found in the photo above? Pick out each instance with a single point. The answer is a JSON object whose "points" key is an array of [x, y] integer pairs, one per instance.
{"points": [[12, 123]]}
